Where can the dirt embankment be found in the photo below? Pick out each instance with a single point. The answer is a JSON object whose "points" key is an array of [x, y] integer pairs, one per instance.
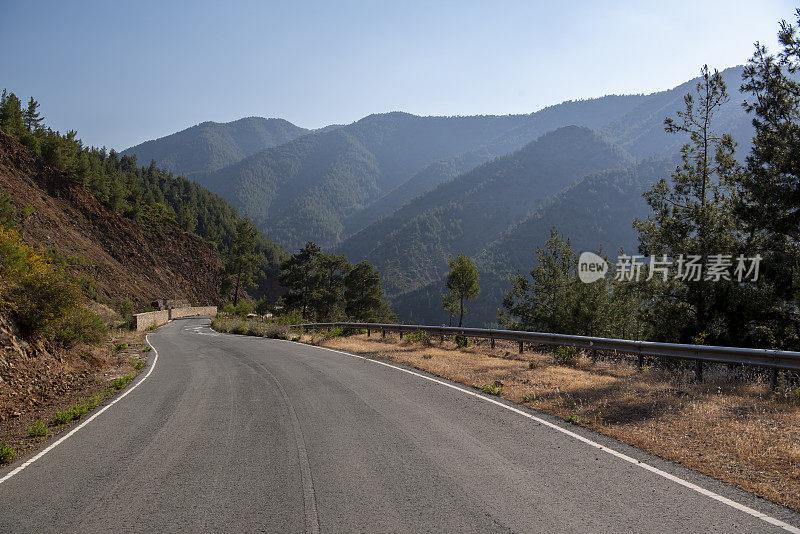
{"points": [[39, 378], [732, 429], [125, 259]]}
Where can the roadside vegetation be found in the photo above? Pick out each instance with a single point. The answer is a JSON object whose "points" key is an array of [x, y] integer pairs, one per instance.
{"points": [[238, 325], [41, 297]]}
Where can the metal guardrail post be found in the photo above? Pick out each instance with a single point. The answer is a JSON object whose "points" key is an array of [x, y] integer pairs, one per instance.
{"points": [[383, 333], [492, 342], [521, 349], [368, 332], [773, 379], [401, 334], [640, 364], [698, 371]]}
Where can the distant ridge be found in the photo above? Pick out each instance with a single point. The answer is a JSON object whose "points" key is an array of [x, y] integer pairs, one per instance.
{"points": [[209, 146]]}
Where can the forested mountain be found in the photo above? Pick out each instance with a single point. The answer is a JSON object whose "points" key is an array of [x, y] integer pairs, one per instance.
{"points": [[465, 214], [592, 113], [640, 131], [596, 213], [209, 146], [406, 192], [305, 188]]}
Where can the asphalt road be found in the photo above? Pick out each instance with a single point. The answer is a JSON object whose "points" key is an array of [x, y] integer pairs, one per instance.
{"points": [[237, 434]]}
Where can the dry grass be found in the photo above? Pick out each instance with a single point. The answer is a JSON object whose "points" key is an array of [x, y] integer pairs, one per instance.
{"points": [[735, 430]]}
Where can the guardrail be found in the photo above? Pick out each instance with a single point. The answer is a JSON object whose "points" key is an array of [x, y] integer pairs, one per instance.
{"points": [[767, 358]]}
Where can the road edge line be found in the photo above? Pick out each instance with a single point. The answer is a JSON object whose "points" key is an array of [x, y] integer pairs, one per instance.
{"points": [[91, 418], [647, 467]]}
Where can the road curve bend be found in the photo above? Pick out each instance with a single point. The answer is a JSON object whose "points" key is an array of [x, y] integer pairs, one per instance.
{"points": [[237, 434]]}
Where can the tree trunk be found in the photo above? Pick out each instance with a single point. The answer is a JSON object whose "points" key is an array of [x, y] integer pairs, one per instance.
{"points": [[236, 291], [461, 317]]}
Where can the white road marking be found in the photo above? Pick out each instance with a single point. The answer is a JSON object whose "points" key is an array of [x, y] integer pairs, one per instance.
{"points": [[86, 422], [197, 330], [634, 461]]}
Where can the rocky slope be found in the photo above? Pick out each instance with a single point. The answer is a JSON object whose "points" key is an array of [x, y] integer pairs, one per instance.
{"points": [[125, 259]]}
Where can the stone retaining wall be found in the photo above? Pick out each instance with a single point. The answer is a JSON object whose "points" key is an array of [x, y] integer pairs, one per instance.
{"points": [[157, 318]]}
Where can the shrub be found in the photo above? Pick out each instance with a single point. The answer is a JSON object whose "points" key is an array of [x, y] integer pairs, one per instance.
{"points": [[120, 346], [137, 364], [80, 325], [119, 383], [43, 298], [334, 332], [264, 306], [491, 389], [462, 341], [243, 308], [7, 453], [75, 412], [229, 309], [566, 355], [418, 337], [272, 331], [125, 309], [291, 318], [38, 429], [239, 327]]}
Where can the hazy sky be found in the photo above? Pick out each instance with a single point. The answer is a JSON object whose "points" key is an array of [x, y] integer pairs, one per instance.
{"points": [[121, 73]]}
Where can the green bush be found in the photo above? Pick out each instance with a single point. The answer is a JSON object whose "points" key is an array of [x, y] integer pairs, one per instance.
{"points": [[462, 341], [75, 412], [418, 337], [566, 355], [120, 383], [80, 325], [334, 332], [7, 453], [290, 318], [264, 306], [491, 389], [125, 309], [43, 298], [38, 430], [137, 364], [229, 309], [243, 308]]}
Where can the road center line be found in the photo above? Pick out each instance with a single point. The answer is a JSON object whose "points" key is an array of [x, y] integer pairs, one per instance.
{"points": [[578, 437], [87, 421]]}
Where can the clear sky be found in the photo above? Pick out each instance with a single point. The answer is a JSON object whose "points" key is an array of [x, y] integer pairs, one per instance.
{"points": [[124, 72]]}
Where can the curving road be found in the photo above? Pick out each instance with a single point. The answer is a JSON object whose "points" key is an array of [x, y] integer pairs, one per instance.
{"points": [[238, 434]]}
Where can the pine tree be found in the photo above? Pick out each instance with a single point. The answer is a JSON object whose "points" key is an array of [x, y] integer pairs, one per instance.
{"points": [[331, 300], [771, 186], [364, 295], [543, 302], [11, 115], [462, 281], [31, 117], [693, 216], [241, 262], [300, 274]]}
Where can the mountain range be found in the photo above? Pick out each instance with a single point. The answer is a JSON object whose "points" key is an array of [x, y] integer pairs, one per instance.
{"points": [[406, 192]]}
